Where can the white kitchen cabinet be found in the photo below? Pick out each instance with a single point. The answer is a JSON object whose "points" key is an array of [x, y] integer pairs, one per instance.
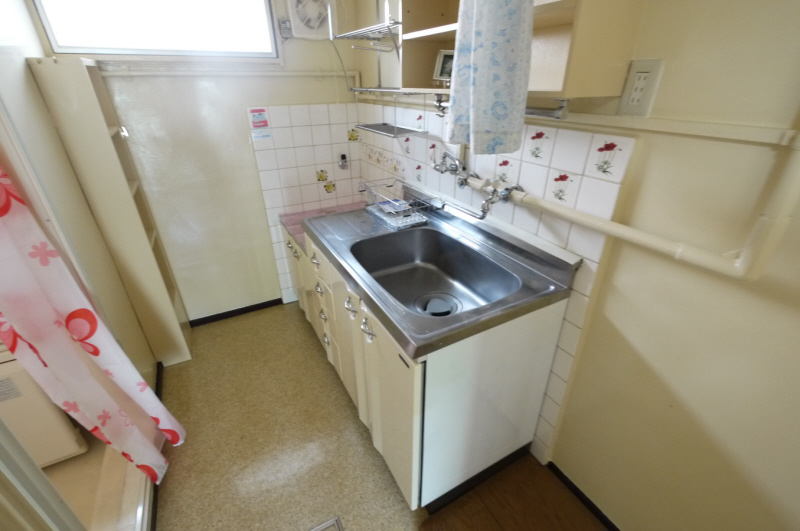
{"points": [[341, 328], [293, 255], [355, 316], [395, 406]]}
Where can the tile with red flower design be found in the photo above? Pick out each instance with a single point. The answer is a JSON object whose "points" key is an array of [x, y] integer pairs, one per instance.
{"points": [[539, 142], [608, 157], [562, 187], [507, 170]]}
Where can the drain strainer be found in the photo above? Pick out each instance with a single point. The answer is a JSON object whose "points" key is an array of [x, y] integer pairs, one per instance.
{"points": [[438, 304]]}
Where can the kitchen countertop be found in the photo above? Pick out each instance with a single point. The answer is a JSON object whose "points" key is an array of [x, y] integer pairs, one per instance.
{"points": [[293, 222], [419, 335]]}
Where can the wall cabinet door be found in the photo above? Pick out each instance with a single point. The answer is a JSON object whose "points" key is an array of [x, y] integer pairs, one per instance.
{"points": [[396, 407]]}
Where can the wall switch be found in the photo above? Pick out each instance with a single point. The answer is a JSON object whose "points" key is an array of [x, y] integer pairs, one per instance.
{"points": [[640, 88]]}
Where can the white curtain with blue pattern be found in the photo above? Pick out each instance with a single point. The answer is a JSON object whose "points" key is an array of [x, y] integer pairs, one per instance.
{"points": [[489, 84]]}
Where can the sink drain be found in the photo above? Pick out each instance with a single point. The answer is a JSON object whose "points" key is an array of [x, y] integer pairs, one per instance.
{"points": [[438, 304]]}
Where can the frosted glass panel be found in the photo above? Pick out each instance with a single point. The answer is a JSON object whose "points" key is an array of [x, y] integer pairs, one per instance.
{"points": [[232, 26]]}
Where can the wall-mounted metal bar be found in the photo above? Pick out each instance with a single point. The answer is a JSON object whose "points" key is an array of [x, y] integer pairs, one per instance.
{"points": [[752, 260]]}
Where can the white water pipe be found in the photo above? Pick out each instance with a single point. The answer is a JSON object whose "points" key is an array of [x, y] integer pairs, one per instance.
{"points": [[761, 244]]}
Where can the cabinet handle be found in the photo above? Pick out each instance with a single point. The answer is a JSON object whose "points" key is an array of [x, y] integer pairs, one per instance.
{"points": [[326, 340], [295, 254], [349, 307], [323, 316], [366, 330], [314, 260], [289, 245], [318, 289]]}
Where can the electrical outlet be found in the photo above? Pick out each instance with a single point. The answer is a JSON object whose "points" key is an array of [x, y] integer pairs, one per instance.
{"points": [[640, 88]]}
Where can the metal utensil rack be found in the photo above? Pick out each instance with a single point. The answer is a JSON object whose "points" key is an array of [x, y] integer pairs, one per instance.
{"points": [[386, 203]]}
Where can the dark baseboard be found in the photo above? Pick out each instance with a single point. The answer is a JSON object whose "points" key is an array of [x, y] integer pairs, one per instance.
{"points": [[478, 478], [233, 313], [584, 499]]}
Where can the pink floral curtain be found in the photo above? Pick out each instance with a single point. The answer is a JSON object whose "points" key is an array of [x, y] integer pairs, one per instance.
{"points": [[52, 329]]}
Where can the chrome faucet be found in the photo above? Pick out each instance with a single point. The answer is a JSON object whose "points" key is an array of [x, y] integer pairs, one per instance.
{"points": [[454, 167]]}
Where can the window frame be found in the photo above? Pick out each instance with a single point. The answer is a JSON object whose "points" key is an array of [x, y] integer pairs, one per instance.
{"points": [[125, 54]]}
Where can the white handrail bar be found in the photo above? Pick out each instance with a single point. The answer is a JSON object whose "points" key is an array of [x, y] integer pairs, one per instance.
{"points": [[752, 260]]}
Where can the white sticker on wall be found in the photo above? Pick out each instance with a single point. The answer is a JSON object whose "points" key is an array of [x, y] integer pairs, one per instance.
{"points": [[258, 117], [8, 389], [261, 134]]}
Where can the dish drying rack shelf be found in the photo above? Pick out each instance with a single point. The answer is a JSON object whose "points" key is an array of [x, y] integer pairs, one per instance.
{"points": [[384, 198]]}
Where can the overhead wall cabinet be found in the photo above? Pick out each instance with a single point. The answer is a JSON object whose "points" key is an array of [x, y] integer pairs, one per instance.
{"points": [[96, 144], [580, 48]]}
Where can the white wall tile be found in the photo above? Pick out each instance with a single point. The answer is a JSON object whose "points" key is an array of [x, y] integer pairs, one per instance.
{"points": [[285, 281], [319, 114], [550, 410], [328, 203], [562, 364], [304, 155], [526, 219], [339, 133], [260, 143], [556, 387], [544, 431], [447, 185], [277, 234], [340, 174], [301, 136], [563, 187], [279, 250], [310, 192], [282, 137], [571, 150], [337, 113], [289, 177], [273, 218], [352, 112], [586, 243], [283, 265], [484, 166], [539, 143], [312, 205], [419, 146], [273, 198], [321, 134], [362, 113], [323, 154], [609, 157], [391, 114], [288, 295], [553, 229], [344, 187], [292, 196], [597, 197], [503, 211], [285, 157], [568, 338], [431, 178], [540, 450], [533, 179], [270, 179], [435, 124], [279, 116], [300, 115], [584, 277], [266, 160], [576, 308]]}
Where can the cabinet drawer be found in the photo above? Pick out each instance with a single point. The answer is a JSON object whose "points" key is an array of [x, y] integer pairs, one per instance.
{"points": [[325, 297], [322, 266]]}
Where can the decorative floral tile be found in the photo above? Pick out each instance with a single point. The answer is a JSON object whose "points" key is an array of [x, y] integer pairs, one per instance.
{"points": [[609, 157], [435, 151], [507, 170], [322, 175], [562, 188], [484, 166], [435, 125], [418, 173], [539, 142]]}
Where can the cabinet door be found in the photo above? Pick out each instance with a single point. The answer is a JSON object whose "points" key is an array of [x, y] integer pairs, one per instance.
{"points": [[396, 382], [307, 280], [343, 331]]}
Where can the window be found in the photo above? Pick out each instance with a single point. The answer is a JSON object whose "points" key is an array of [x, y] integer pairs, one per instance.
{"points": [[159, 27]]}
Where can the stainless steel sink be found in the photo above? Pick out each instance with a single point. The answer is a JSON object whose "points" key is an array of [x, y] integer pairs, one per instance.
{"points": [[433, 286], [431, 273]]}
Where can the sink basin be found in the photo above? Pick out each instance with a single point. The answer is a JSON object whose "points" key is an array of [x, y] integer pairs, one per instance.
{"points": [[431, 273], [435, 285]]}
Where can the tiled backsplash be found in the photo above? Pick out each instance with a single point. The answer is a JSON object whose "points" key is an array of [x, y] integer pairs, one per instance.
{"points": [[298, 167], [572, 168]]}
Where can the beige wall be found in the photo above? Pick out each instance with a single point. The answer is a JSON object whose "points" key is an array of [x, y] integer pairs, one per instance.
{"points": [[191, 143], [681, 411]]}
